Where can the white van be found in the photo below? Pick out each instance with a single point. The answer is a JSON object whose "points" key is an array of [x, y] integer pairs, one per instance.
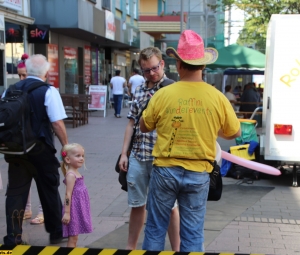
{"points": [[280, 137]]}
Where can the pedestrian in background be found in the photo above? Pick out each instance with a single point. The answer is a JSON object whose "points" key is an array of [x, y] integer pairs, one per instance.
{"points": [[140, 159], [188, 117], [231, 97], [40, 162], [76, 211], [250, 100], [117, 83], [135, 80]]}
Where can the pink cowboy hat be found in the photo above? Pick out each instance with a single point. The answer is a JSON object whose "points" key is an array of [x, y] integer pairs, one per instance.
{"points": [[191, 50]]}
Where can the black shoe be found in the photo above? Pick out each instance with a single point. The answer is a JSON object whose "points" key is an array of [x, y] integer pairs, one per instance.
{"points": [[58, 240], [17, 243]]}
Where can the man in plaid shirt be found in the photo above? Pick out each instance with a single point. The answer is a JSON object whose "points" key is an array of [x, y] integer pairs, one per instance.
{"points": [[140, 159]]}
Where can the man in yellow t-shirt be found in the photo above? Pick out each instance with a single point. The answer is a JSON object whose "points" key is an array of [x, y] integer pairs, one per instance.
{"points": [[188, 117]]}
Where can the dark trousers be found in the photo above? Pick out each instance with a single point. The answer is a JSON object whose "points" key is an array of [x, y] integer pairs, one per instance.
{"points": [[118, 103], [42, 165]]}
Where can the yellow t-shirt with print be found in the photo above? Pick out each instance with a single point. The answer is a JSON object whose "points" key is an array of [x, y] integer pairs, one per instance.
{"points": [[187, 117]]}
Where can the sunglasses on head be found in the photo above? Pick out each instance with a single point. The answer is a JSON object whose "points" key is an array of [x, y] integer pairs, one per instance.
{"points": [[154, 69]]}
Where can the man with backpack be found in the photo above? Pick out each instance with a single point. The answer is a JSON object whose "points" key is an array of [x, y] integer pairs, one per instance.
{"points": [[40, 163]]}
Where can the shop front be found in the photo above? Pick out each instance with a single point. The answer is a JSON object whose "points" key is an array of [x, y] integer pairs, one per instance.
{"points": [[13, 39]]}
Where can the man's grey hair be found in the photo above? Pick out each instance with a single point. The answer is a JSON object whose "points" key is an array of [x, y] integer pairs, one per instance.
{"points": [[37, 65]]}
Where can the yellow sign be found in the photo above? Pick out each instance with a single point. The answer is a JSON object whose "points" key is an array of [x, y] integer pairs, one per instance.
{"points": [[240, 79], [242, 151], [5, 252]]}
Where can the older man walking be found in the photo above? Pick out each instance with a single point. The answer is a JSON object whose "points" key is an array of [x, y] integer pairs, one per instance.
{"points": [[40, 162]]}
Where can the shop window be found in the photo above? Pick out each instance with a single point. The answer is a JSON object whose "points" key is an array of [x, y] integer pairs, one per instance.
{"points": [[134, 10], [127, 7], [106, 4], [70, 64], [118, 4], [163, 6], [14, 47], [87, 66]]}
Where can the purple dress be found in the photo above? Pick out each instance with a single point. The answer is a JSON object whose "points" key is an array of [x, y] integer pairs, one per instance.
{"points": [[80, 211]]}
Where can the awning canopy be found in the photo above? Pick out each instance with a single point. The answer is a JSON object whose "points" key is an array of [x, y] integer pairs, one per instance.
{"points": [[243, 72], [236, 56]]}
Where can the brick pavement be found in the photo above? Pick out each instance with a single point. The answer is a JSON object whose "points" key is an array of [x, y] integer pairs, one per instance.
{"points": [[270, 224]]}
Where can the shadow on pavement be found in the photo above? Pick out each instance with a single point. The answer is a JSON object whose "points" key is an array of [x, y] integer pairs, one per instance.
{"points": [[235, 200]]}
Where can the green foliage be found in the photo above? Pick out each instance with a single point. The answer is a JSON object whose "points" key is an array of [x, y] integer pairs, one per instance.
{"points": [[257, 16]]}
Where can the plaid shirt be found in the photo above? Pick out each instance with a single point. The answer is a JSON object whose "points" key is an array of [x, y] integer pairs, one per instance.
{"points": [[143, 143]]}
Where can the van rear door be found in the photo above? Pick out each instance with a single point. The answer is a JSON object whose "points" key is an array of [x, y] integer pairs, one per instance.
{"points": [[281, 107]]}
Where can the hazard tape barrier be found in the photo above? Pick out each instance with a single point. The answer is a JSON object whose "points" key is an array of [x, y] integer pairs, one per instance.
{"points": [[55, 250]]}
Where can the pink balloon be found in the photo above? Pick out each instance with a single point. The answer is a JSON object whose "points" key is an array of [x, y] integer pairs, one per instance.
{"points": [[250, 164]]}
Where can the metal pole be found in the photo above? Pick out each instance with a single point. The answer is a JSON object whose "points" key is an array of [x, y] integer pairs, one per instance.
{"points": [[206, 26], [181, 16]]}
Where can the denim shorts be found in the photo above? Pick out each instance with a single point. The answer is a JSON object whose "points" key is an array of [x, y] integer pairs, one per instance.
{"points": [[191, 190], [138, 177]]}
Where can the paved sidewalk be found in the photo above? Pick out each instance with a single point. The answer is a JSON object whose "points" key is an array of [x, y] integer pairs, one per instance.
{"points": [[262, 217]]}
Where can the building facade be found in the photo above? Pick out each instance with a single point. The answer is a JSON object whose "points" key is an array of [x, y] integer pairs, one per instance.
{"points": [[203, 18], [88, 40], [158, 21]]}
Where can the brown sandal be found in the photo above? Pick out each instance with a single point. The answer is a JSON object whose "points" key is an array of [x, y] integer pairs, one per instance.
{"points": [[27, 215], [39, 219]]}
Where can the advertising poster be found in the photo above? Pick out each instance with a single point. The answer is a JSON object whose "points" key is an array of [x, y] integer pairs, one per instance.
{"points": [[14, 33], [98, 94], [38, 33], [87, 65], [53, 77]]}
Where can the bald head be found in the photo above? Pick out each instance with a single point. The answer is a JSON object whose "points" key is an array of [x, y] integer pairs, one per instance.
{"points": [[37, 65]]}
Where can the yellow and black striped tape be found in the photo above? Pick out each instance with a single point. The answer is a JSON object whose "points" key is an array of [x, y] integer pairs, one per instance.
{"points": [[55, 250]]}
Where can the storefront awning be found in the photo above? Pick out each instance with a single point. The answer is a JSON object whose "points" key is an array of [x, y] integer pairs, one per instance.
{"points": [[93, 38]]}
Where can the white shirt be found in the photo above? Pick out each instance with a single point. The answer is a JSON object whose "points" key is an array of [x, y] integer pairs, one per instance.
{"points": [[230, 96], [53, 103], [117, 85], [136, 80]]}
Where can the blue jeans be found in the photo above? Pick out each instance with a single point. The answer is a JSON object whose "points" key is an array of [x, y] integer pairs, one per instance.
{"points": [[118, 103], [191, 190], [138, 178]]}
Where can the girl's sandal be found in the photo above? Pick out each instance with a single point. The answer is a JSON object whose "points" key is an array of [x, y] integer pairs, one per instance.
{"points": [[39, 219], [27, 215]]}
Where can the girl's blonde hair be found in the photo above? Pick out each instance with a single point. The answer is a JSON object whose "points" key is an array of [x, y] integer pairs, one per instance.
{"points": [[66, 149]]}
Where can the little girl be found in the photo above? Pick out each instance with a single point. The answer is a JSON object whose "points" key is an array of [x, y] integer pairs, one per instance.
{"points": [[76, 212]]}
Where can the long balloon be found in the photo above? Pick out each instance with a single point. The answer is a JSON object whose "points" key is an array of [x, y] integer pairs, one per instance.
{"points": [[250, 164], [218, 154]]}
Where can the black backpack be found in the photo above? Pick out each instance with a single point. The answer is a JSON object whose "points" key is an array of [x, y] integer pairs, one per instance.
{"points": [[16, 134]]}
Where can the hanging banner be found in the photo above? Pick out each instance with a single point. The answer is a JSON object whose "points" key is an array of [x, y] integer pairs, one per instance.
{"points": [[110, 27], [53, 77], [87, 65], [98, 94], [13, 4]]}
